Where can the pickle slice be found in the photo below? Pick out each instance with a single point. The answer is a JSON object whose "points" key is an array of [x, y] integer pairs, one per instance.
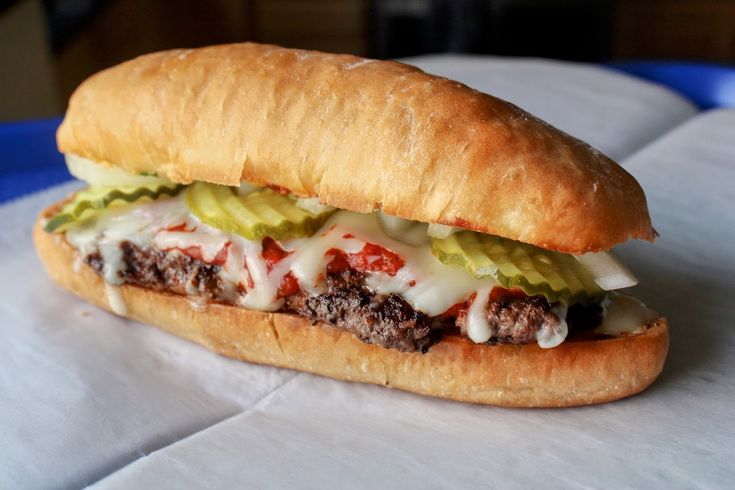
{"points": [[94, 199], [259, 214], [557, 276]]}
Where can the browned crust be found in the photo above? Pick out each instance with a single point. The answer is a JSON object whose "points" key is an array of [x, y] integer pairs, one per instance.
{"points": [[575, 373], [361, 135]]}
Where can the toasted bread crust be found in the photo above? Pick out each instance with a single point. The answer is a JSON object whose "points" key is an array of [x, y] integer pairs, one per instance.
{"points": [[578, 372], [359, 134]]}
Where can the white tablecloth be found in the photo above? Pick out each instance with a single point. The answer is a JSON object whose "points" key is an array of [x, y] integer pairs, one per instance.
{"points": [[88, 397]]}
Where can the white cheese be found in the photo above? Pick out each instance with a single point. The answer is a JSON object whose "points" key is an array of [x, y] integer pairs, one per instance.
{"points": [[112, 257], [210, 243], [478, 328], [115, 299], [553, 333], [623, 314]]}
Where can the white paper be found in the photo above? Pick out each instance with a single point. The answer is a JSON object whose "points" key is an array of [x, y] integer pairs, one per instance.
{"points": [[88, 396]]}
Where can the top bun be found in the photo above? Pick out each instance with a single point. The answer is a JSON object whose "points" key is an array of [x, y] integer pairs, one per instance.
{"points": [[361, 135]]}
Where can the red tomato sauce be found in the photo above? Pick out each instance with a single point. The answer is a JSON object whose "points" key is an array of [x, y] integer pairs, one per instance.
{"points": [[502, 294], [278, 189], [458, 310], [288, 287], [195, 253], [273, 254], [181, 227], [372, 258], [339, 261]]}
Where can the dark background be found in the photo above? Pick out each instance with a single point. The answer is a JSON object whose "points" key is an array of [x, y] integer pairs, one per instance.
{"points": [[47, 47]]}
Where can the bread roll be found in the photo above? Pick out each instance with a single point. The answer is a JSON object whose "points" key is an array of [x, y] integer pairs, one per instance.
{"points": [[361, 135]]}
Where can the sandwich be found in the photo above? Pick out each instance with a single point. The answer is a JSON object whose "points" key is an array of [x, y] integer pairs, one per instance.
{"points": [[355, 219]]}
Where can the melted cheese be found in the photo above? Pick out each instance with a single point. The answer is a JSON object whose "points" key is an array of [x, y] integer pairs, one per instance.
{"points": [[210, 244], [553, 333], [478, 328], [115, 299], [263, 295], [623, 314]]}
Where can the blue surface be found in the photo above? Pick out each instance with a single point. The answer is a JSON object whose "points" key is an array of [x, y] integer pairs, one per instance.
{"points": [[706, 85], [29, 160]]}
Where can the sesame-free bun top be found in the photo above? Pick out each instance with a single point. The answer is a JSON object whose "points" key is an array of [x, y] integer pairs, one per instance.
{"points": [[361, 135]]}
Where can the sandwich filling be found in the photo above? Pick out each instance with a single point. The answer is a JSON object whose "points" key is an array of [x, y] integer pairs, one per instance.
{"points": [[383, 279]]}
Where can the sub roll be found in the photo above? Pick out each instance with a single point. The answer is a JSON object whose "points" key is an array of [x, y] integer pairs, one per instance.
{"points": [[356, 219]]}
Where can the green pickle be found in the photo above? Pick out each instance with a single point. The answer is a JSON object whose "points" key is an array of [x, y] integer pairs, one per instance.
{"points": [[92, 200], [256, 215], [557, 276]]}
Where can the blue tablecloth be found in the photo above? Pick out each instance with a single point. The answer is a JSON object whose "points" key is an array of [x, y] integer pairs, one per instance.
{"points": [[29, 160], [706, 85]]}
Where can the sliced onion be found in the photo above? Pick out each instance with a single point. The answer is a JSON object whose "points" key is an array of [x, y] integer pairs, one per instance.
{"points": [[403, 230], [607, 271], [441, 231], [312, 205], [394, 225], [246, 188], [99, 175]]}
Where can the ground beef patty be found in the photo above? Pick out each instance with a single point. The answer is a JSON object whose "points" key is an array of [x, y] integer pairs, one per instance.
{"points": [[515, 320], [385, 320], [165, 271]]}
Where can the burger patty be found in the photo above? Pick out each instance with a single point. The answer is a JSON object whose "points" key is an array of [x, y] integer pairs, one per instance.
{"points": [[515, 320], [382, 319], [387, 320], [164, 271]]}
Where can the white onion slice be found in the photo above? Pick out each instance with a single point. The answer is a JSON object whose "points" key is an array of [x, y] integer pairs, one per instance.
{"points": [[246, 188], [403, 230], [607, 271], [312, 205], [393, 225], [441, 231], [98, 175]]}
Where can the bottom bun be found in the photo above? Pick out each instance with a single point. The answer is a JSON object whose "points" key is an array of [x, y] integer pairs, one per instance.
{"points": [[577, 372]]}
